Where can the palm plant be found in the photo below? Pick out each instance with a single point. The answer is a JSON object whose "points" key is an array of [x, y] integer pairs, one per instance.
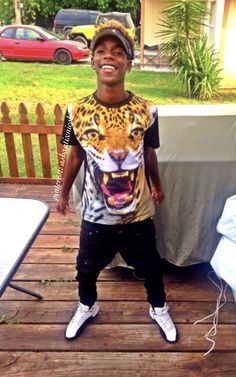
{"points": [[186, 48]]}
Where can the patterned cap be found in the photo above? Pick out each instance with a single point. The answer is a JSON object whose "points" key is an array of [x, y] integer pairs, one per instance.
{"points": [[113, 32]]}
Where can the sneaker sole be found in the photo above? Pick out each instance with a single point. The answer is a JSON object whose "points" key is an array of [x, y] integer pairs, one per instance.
{"points": [[82, 328]]}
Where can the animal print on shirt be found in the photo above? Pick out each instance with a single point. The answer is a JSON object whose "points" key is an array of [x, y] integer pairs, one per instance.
{"points": [[113, 139]]}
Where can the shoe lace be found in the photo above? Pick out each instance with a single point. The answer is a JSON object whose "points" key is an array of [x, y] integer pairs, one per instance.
{"points": [[78, 315], [165, 318]]}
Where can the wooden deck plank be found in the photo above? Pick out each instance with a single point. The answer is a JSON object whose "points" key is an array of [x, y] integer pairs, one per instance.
{"points": [[107, 290], [51, 256], [56, 217], [54, 272], [122, 364], [57, 241], [58, 228], [60, 312], [114, 337], [120, 273]]}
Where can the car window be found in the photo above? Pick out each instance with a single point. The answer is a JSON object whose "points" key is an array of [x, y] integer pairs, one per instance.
{"points": [[81, 18], [122, 19], [92, 18], [64, 17], [45, 33], [26, 34], [19, 34], [8, 33], [103, 19], [32, 35]]}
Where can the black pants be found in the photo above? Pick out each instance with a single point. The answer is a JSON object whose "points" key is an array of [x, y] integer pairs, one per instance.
{"points": [[136, 243]]}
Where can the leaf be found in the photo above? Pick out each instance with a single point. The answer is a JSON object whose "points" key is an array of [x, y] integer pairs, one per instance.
{"points": [[187, 48]]}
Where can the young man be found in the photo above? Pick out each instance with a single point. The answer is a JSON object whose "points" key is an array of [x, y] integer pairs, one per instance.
{"points": [[115, 132]]}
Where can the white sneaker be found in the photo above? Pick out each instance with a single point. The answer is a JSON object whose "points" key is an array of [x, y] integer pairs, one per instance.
{"points": [[167, 327], [80, 319]]}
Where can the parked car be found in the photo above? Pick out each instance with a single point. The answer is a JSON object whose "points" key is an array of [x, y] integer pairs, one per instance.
{"points": [[85, 33], [33, 43], [65, 19]]}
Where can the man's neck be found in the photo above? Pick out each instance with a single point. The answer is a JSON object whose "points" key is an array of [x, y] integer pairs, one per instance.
{"points": [[112, 95]]}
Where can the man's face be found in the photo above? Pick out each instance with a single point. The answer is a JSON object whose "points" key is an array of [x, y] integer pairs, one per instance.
{"points": [[110, 61]]}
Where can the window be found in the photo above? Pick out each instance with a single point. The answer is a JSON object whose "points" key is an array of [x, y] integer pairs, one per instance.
{"points": [[92, 18], [8, 33], [26, 34], [212, 20], [31, 35]]}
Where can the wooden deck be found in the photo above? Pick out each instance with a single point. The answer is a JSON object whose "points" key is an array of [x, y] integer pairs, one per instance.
{"points": [[122, 341]]}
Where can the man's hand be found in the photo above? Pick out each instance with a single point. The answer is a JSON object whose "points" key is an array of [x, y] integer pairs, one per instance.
{"points": [[63, 205], [158, 196]]}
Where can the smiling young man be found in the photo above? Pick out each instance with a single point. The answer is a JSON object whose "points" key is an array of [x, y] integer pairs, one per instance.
{"points": [[115, 133]]}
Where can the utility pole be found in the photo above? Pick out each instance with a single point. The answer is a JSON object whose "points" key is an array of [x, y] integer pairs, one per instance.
{"points": [[17, 7]]}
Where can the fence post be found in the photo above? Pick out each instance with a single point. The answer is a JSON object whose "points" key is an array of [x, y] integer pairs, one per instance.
{"points": [[10, 143], [43, 143], [27, 143], [58, 122]]}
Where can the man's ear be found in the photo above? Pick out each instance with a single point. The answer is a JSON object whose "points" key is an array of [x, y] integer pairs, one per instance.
{"points": [[92, 62], [129, 66]]}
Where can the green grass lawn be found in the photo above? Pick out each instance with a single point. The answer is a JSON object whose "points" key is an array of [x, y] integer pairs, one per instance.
{"points": [[51, 84]]}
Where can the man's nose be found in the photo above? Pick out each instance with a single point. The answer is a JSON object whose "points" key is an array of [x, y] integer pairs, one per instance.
{"points": [[108, 54]]}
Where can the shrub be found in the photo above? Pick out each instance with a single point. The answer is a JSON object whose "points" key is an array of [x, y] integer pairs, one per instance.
{"points": [[187, 49]]}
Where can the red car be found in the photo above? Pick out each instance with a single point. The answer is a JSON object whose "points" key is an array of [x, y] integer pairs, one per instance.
{"points": [[32, 43]]}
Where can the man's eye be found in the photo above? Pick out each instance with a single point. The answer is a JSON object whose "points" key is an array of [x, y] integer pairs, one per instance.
{"points": [[118, 52]]}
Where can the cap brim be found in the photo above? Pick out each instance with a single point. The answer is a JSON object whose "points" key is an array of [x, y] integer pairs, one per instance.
{"points": [[117, 34]]}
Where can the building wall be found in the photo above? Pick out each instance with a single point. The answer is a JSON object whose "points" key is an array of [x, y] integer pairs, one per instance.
{"points": [[222, 32], [227, 45], [153, 10]]}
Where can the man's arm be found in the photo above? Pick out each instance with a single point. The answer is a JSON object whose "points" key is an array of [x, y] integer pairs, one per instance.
{"points": [[152, 167], [73, 164]]}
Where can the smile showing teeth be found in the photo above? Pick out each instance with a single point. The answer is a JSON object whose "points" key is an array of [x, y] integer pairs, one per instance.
{"points": [[108, 67]]}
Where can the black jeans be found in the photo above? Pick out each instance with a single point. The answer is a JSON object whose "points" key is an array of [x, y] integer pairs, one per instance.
{"points": [[136, 243]]}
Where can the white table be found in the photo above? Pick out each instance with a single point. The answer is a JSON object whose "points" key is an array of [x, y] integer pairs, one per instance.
{"points": [[20, 222]]}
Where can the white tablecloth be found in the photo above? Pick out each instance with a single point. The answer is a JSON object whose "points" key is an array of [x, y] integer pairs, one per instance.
{"points": [[197, 163]]}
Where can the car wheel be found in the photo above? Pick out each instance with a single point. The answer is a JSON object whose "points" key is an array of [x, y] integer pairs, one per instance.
{"points": [[63, 56], [81, 40], [67, 33]]}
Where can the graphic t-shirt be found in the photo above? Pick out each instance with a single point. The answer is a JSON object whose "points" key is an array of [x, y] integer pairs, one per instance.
{"points": [[113, 137]]}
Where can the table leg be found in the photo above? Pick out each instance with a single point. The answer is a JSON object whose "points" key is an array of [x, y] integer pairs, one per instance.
{"points": [[25, 291]]}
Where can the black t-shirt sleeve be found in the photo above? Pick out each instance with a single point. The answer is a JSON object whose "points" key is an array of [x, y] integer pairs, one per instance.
{"points": [[151, 137], [68, 135]]}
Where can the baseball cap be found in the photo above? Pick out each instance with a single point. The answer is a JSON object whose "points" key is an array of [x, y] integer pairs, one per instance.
{"points": [[113, 32]]}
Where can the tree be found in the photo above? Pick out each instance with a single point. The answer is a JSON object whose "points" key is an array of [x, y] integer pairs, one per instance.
{"points": [[187, 49], [42, 12], [17, 8]]}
